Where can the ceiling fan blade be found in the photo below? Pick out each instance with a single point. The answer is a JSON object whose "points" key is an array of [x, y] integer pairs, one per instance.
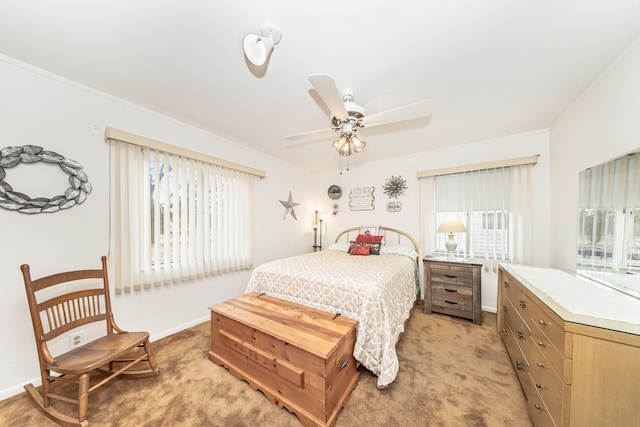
{"points": [[326, 87], [308, 134], [407, 112]]}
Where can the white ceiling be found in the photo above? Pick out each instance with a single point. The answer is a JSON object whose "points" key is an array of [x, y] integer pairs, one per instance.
{"points": [[491, 67]]}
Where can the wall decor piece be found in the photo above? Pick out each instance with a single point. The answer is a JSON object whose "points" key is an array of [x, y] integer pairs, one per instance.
{"points": [[334, 192], [369, 230], [394, 186], [289, 205], [394, 206], [361, 199], [16, 201]]}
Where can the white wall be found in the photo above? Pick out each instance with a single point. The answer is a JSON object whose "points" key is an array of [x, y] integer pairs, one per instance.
{"points": [[602, 124], [408, 219], [41, 109]]}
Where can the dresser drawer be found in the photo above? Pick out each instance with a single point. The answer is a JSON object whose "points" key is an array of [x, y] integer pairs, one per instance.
{"points": [[538, 411], [548, 384], [518, 361], [550, 325], [535, 317], [452, 274]]}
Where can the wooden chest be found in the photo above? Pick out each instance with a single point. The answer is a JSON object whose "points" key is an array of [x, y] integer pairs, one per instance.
{"points": [[299, 357]]}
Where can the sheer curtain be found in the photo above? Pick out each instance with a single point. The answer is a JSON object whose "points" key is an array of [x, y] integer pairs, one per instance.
{"points": [[176, 218], [495, 206]]}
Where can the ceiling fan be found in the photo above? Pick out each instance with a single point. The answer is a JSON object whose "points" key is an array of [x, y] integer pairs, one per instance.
{"points": [[348, 118]]}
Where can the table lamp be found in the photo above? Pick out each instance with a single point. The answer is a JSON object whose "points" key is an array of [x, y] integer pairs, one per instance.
{"points": [[451, 224]]}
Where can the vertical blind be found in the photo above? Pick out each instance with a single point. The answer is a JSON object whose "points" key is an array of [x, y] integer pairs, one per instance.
{"points": [[609, 215], [176, 218], [494, 203]]}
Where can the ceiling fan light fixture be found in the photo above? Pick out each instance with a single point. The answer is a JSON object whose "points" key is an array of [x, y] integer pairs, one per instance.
{"points": [[358, 143], [348, 144], [257, 48]]}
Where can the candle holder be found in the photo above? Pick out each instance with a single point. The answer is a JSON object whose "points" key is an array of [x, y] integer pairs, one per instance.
{"points": [[317, 235]]}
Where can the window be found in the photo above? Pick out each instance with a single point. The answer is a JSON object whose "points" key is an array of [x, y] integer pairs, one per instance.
{"points": [[494, 206], [486, 234], [177, 218]]}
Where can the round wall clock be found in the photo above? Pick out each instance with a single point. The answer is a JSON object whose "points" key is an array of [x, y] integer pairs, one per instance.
{"points": [[334, 192]]}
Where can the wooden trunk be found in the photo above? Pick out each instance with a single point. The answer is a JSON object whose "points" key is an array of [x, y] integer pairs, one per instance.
{"points": [[299, 357]]}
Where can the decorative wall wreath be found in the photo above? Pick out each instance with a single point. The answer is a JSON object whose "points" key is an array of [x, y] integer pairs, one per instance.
{"points": [[13, 200]]}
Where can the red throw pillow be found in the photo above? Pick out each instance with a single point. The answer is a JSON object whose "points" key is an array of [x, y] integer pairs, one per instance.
{"points": [[361, 250], [368, 238]]}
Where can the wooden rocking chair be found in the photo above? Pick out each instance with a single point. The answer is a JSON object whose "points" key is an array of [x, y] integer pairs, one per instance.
{"points": [[114, 353]]}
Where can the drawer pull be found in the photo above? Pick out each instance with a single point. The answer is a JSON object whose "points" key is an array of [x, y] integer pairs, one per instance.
{"points": [[520, 334], [505, 308], [539, 386], [506, 283], [541, 344], [450, 290], [505, 332], [449, 276], [537, 406], [344, 364], [519, 365], [522, 303], [451, 302], [540, 364], [542, 322]]}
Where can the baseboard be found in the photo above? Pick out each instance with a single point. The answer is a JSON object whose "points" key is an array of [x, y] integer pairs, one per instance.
{"points": [[17, 389], [182, 327], [12, 391]]}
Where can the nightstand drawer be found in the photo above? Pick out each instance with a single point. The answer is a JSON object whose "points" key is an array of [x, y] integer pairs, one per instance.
{"points": [[452, 296], [461, 276]]}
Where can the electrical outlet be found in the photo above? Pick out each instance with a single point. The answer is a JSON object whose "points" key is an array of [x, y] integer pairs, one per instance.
{"points": [[76, 339]]}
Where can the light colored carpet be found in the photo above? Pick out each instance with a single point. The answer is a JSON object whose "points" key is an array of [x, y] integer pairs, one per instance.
{"points": [[452, 373]]}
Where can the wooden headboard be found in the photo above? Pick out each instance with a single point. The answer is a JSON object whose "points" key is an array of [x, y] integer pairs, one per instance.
{"points": [[392, 236]]}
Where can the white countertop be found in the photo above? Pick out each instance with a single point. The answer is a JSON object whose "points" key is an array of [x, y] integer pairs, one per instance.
{"points": [[580, 300]]}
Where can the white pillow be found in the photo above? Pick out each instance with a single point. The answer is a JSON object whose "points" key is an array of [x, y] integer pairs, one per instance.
{"points": [[340, 247], [398, 250]]}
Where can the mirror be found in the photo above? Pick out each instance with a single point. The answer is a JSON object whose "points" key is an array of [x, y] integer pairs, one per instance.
{"points": [[609, 223]]}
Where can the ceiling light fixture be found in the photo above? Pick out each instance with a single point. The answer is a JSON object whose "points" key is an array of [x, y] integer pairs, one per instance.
{"points": [[348, 143], [257, 48]]}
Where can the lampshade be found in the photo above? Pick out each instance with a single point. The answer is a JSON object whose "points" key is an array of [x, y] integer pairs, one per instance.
{"points": [[451, 224], [348, 144], [257, 48]]}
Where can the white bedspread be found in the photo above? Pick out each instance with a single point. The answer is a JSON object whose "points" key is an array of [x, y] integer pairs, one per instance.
{"points": [[378, 291]]}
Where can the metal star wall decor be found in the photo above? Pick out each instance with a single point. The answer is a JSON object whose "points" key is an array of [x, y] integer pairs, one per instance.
{"points": [[289, 205], [394, 186]]}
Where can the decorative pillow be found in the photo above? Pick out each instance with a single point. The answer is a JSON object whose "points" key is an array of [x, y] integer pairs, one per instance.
{"points": [[375, 246], [399, 250], [340, 247], [368, 238], [361, 250]]}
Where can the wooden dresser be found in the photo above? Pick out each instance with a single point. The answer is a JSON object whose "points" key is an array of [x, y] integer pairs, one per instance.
{"points": [[575, 346], [453, 287]]}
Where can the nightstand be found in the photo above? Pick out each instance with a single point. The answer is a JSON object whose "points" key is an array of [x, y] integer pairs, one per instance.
{"points": [[453, 287]]}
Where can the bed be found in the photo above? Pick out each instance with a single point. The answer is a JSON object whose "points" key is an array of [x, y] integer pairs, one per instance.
{"points": [[379, 290]]}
